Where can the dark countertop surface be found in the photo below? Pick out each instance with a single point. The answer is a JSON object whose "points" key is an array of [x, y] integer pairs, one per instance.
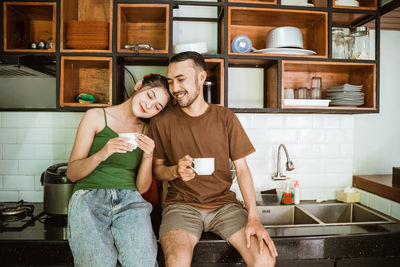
{"points": [[45, 243]]}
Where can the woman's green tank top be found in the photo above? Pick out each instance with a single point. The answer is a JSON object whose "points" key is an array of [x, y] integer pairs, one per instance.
{"points": [[118, 171]]}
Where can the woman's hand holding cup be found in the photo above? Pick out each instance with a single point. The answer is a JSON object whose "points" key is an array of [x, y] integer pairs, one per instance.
{"points": [[146, 144], [115, 145]]}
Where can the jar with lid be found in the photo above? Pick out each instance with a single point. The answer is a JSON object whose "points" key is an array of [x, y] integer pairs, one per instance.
{"points": [[361, 43]]}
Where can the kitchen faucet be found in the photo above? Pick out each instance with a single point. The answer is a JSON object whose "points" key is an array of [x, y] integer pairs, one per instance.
{"points": [[289, 164]]}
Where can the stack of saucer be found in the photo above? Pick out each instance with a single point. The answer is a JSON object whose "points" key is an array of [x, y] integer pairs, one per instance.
{"points": [[346, 95]]}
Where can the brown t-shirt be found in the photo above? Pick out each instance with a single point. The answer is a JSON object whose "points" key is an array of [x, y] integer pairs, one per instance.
{"points": [[215, 134]]}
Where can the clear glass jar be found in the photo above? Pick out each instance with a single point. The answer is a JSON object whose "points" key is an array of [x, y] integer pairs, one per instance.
{"points": [[338, 43], [316, 88], [361, 43]]}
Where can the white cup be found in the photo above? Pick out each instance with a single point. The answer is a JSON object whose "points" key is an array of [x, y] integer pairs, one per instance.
{"points": [[132, 138], [203, 166]]}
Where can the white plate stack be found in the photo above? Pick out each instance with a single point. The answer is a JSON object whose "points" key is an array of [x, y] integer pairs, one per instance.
{"points": [[346, 95]]}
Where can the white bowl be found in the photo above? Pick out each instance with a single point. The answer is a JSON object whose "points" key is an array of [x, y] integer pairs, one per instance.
{"points": [[286, 36], [200, 47]]}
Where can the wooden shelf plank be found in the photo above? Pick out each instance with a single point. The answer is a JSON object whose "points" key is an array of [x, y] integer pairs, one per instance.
{"points": [[378, 184]]}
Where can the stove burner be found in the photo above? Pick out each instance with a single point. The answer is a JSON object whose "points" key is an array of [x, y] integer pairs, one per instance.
{"points": [[15, 216]]}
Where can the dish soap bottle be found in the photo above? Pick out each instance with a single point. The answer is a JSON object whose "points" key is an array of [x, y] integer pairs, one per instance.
{"points": [[287, 196], [296, 192]]}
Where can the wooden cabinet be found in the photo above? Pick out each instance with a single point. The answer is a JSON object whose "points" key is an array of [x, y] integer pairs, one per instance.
{"points": [[25, 23], [90, 39]]}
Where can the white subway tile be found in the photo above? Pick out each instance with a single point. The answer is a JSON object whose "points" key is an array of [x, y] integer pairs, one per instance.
{"points": [[380, 204], [339, 165], [347, 122], [8, 136], [340, 180], [364, 196], [1, 151], [6, 196], [32, 136], [19, 183], [1, 183], [18, 151], [297, 121], [339, 136], [263, 151], [49, 151], [33, 167], [32, 196], [395, 210], [259, 166], [330, 151], [302, 151], [257, 135], [347, 150], [72, 119], [309, 166], [0, 121], [38, 184], [269, 121], [312, 136], [282, 136], [247, 120], [312, 193], [68, 150], [8, 167], [326, 121], [49, 120], [17, 119], [62, 136]]}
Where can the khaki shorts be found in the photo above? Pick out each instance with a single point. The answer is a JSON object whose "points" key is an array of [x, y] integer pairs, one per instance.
{"points": [[224, 221]]}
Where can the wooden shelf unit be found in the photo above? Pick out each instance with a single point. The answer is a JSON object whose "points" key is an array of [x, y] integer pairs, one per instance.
{"points": [[133, 22], [143, 23], [85, 11], [257, 22], [297, 74], [89, 75], [28, 22]]}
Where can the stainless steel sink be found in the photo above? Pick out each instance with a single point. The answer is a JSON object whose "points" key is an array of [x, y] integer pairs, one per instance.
{"points": [[284, 216], [319, 214], [344, 213]]}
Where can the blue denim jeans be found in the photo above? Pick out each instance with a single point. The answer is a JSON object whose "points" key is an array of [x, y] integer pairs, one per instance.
{"points": [[107, 227]]}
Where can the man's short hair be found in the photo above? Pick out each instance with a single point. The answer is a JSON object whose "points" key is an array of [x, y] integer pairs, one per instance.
{"points": [[196, 57]]}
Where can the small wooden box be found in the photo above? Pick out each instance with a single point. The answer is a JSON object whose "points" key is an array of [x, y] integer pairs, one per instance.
{"points": [[89, 75], [348, 197], [396, 176]]}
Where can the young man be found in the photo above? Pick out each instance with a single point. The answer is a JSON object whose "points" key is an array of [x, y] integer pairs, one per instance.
{"points": [[195, 203]]}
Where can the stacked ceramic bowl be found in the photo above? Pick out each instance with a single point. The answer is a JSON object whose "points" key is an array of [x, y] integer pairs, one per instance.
{"points": [[346, 95]]}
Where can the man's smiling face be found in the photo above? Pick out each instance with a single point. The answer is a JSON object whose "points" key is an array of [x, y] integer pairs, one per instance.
{"points": [[183, 80]]}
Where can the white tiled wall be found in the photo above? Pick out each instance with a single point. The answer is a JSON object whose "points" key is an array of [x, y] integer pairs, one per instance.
{"points": [[29, 143], [321, 147], [382, 204]]}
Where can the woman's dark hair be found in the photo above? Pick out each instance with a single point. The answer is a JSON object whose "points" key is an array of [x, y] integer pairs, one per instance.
{"points": [[196, 57], [155, 80]]}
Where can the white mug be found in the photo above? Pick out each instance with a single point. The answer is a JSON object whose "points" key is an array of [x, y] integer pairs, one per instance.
{"points": [[132, 138], [203, 166]]}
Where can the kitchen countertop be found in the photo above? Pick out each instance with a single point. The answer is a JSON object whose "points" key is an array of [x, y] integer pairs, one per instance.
{"points": [[46, 244], [378, 184]]}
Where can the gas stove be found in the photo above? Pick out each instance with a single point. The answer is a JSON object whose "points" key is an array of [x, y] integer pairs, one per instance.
{"points": [[27, 217]]}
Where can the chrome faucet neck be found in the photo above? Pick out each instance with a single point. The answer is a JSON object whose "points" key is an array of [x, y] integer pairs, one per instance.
{"points": [[289, 164]]}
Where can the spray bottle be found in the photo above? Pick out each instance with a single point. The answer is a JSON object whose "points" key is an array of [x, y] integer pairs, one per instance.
{"points": [[296, 192], [287, 196]]}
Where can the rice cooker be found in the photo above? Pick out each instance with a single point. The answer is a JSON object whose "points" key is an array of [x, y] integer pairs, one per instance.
{"points": [[57, 189]]}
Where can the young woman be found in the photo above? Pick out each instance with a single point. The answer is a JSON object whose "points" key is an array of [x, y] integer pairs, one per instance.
{"points": [[108, 220]]}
